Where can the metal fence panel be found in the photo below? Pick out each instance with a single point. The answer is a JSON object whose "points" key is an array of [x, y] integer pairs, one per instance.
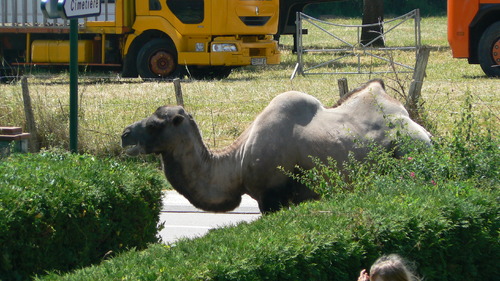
{"points": [[344, 47]]}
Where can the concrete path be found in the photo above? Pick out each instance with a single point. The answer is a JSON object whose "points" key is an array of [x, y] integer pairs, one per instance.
{"points": [[184, 220]]}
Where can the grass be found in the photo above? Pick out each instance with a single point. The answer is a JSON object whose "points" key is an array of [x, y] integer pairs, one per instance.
{"points": [[223, 109]]}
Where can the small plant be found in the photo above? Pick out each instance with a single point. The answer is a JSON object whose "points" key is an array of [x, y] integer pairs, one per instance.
{"points": [[325, 179]]}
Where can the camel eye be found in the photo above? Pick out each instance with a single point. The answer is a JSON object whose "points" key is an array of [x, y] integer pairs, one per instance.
{"points": [[177, 120], [151, 126]]}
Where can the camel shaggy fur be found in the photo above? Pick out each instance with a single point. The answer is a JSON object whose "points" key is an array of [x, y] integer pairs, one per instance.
{"points": [[293, 127]]}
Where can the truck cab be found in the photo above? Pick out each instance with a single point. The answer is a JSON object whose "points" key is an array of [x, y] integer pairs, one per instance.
{"points": [[203, 36]]}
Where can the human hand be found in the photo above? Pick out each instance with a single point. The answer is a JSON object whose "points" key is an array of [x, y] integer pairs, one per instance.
{"points": [[363, 276]]}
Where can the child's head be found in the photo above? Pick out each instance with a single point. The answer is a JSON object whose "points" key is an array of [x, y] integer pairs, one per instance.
{"points": [[390, 268]]}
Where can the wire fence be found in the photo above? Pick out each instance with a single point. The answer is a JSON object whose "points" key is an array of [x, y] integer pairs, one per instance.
{"points": [[222, 110], [343, 46], [108, 104]]}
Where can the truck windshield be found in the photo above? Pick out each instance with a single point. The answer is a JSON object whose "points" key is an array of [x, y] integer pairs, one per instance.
{"points": [[187, 11]]}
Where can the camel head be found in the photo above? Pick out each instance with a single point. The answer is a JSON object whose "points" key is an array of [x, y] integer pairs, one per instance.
{"points": [[157, 133]]}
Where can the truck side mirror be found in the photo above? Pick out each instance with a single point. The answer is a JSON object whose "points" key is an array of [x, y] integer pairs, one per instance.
{"points": [[49, 8]]}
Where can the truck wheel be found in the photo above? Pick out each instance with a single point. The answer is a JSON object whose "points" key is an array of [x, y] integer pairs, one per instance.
{"points": [[489, 50], [158, 59]]}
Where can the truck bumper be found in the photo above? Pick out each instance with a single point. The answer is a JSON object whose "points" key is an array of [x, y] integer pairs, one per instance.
{"points": [[234, 51], [252, 53]]}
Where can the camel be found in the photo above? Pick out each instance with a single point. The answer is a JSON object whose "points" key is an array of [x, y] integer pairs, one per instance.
{"points": [[293, 128]]}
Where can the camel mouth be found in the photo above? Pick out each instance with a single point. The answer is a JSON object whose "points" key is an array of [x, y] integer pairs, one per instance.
{"points": [[134, 150]]}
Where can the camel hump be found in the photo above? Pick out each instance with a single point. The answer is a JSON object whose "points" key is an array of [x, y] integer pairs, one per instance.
{"points": [[374, 87], [167, 112], [293, 103]]}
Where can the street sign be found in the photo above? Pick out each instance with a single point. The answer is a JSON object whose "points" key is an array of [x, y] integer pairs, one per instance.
{"points": [[81, 8], [70, 9]]}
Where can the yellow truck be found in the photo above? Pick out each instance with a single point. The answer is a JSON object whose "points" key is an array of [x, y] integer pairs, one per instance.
{"points": [[146, 38]]}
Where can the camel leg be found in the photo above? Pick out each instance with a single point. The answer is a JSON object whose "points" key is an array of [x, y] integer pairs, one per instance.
{"points": [[301, 193], [281, 197], [294, 192], [274, 199]]}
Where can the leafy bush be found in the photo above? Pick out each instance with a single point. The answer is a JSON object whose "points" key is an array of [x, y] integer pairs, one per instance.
{"points": [[449, 183], [61, 211], [450, 237]]}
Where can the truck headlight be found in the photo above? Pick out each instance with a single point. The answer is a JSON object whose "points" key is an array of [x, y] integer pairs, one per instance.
{"points": [[224, 47]]}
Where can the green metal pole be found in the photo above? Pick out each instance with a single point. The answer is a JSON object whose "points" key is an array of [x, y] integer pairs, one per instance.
{"points": [[73, 86]]}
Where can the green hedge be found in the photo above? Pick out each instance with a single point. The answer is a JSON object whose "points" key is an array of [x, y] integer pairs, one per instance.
{"points": [[450, 237], [61, 211]]}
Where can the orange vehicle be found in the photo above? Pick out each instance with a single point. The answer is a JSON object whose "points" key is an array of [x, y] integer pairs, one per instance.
{"points": [[474, 32]]}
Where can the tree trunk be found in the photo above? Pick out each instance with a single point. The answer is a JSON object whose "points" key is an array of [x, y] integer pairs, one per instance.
{"points": [[373, 12]]}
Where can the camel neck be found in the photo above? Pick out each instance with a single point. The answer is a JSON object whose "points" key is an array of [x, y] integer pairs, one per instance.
{"points": [[210, 181]]}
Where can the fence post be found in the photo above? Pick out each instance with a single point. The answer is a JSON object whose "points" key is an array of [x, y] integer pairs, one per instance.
{"points": [[178, 92], [343, 87], [419, 74], [298, 43], [30, 117]]}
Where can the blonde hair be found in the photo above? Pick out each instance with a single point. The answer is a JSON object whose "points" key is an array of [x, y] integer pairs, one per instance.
{"points": [[391, 268]]}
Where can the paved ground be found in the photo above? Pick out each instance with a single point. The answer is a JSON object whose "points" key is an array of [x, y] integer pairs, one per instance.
{"points": [[183, 220]]}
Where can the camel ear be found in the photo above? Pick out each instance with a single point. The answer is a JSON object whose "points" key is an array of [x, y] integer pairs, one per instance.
{"points": [[177, 120]]}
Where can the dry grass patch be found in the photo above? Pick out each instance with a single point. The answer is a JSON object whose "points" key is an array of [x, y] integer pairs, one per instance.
{"points": [[223, 109]]}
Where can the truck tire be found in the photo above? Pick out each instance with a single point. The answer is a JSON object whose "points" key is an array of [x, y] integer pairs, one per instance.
{"points": [[489, 50], [158, 59]]}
